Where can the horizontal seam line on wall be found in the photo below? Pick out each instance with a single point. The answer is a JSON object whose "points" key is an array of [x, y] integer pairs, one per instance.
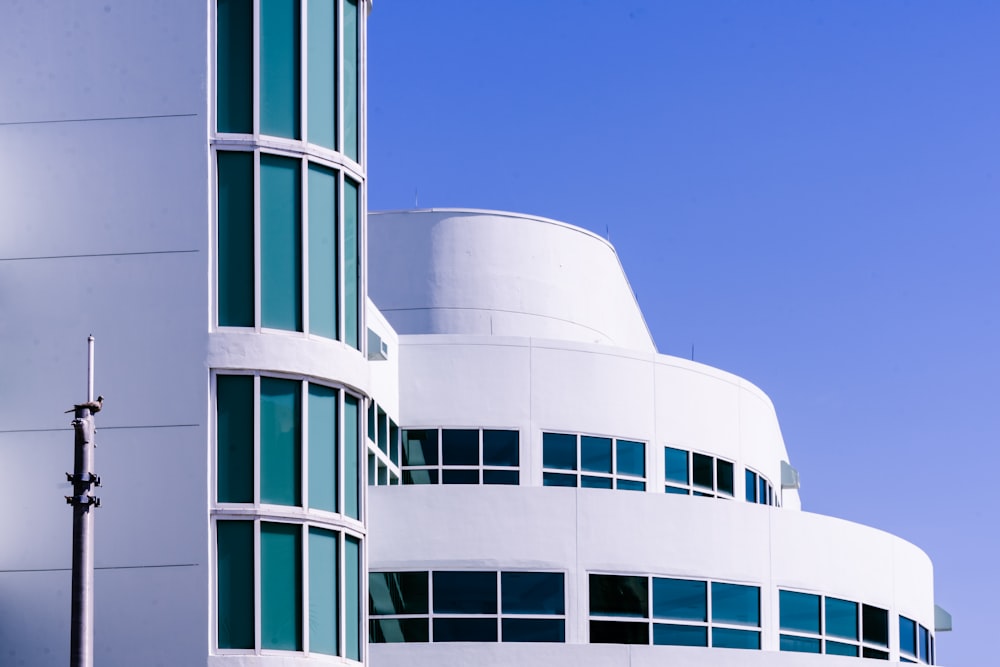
{"points": [[100, 254], [102, 567], [99, 428], [51, 121]]}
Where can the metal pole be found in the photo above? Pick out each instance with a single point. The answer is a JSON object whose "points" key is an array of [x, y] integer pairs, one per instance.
{"points": [[82, 619]]}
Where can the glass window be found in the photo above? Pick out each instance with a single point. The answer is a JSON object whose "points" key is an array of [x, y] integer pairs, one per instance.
{"points": [[842, 618], [555, 479], [236, 239], [724, 476], [234, 435], [840, 648], [875, 625], [352, 471], [702, 471], [323, 251], [751, 486], [734, 603], [676, 491], [420, 477], [323, 491], [762, 490], [352, 265], [680, 599], [595, 454], [352, 81], [506, 477], [393, 443], [236, 584], [280, 441], [617, 632], [874, 653], [321, 88], [500, 448], [729, 638], [907, 636], [799, 611], [924, 646], [352, 599], [465, 593], [324, 624], [617, 595], [420, 447], [234, 66], [666, 634], [532, 593], [631, 458], [397, 593], [590, 482], [533, 630], [279, 68], [630, 485], [460, 476], [396, 630], [281, 245], [281, 586], [383, 431], [460, 447], [675, 465], [465, 629], [559, 451], [800, 644]]}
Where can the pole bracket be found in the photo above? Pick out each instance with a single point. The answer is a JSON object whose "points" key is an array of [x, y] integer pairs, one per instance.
{"points": [[85, 478], [85, 500]]}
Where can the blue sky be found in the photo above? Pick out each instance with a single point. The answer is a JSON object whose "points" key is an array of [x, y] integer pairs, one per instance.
{"points": [[804, 191]]}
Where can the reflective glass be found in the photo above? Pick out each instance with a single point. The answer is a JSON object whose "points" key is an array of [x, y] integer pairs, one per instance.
{"points": [[236, 254], [352, 472], [727, 638], [555, 479], [875, 625], [761, 490], [751, 486], [703, 471], [279, 68], [352, 265], [234, 435], [630, 485], [507, 477], [675, 490], [465, 629], [397, 593], [236, 584], [799, 644], [618, 632], [839, 648], [924, 645], [323, 491], [322, 251], [420, 447], [724, 476], [324, 626], [680, 599], [352, 597], [371, 421], [397, 630], [874, 653], [842, 618], [280, 441], [280, 243], [733, 603], [383, 431], [465, 593], [281, 586], [371, 469], [592, 482], [500, 448], [559, 451], [321, 87], [675, 465], [533, 630], [460, 476], [799, 611], [532, 593], [666, 634], [617, 595], [907, 636], [352, 80], [631, 458], [420, 477], [393, 442], [595, 454], [234, 66], [459, 447], [383, 474]]}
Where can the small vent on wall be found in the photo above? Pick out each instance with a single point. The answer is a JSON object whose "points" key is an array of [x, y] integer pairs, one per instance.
{"points": [[789, 476], [378, 350]]}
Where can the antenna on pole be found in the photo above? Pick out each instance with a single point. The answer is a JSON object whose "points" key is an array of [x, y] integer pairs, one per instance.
{"points": [[81, 652]]}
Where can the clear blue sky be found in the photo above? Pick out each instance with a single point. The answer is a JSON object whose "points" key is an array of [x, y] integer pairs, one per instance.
{"points": [[805, 191]]}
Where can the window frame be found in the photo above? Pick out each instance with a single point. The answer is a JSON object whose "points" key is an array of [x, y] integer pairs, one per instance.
{"points": [[438, 469], [383, 469], [615, 477], [692, 489]]}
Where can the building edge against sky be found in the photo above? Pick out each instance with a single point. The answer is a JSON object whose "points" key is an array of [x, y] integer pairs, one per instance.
{"points": [[188, 184]]}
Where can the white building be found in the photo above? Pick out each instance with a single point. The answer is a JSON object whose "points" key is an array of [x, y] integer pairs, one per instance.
{"points": [[187, 182]]}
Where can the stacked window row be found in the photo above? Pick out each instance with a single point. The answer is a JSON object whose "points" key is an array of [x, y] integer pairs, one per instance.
{"points": [[299, 222], [307, 579], [676, 612], [916, 643], [383, 448], [306, 74], [691, 473], [461, 456], [593, 462], [822, 624], [759, 490], [466, 606]]}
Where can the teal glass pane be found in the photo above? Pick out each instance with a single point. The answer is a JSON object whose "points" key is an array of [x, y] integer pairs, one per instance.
{"points": [[875, 625], [280, 243], [236, 259], [630, 485], [235, 578], [799, 644], [371, 469], [321, 78], [556, 479], [532, 593], [733, 603], [907, 636], [397, 593], [352, 265], [323, 491], [924, 645], [279, 68], [839, 648], [280, 442], [352, 603], [842, 618], [393, 442], [352, 503], [675, 465], [464, 592], [500, 448], [724, 476], [371, 421], [595, 454], [324, 624], [352, 79], [618, 595], [234, 66], [680, 599], [750, 480], [594, 482], [281, 586], [420, 447], [727, 638], [383, 431], [559, 451], [666, 634], [323, 288], [631, 458], [234, 436], [799, 611], [398, 630]]}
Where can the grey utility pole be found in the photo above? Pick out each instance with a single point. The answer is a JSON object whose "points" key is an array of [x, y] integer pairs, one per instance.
{"points": [[81, 652]]}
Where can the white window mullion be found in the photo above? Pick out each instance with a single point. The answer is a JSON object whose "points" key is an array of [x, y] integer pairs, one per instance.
{"points": [[257, 578]]}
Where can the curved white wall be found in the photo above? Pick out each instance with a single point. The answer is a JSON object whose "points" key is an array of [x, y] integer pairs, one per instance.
{"points": [[493, 273]]}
